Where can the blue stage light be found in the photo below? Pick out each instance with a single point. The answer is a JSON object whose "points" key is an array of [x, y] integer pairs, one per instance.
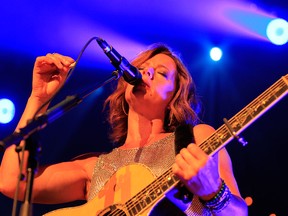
{"points": [[216, 53], [277, 31], [7, 111]]}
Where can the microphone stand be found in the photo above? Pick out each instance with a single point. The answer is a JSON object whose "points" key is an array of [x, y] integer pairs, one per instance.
{"points": [[32, 145], [28, 133]]}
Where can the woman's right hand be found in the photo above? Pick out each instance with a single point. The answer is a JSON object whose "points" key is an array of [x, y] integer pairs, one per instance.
{"points": [[49, 74]]}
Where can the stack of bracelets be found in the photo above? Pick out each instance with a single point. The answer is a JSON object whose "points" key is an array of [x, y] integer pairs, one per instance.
{"points": [[219, 201]]}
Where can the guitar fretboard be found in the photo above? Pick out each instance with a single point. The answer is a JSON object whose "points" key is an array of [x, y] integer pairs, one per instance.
{"points": [[215, 142], [246, 116]]}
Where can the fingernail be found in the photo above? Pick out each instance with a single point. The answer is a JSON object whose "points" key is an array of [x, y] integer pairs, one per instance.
{"points": [[72, 65]]}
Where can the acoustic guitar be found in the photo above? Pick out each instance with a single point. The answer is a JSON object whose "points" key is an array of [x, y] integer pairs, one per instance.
{"points": [[134, 190]]}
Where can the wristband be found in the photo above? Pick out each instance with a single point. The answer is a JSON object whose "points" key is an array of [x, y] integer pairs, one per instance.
{"points": [[220, 200]]}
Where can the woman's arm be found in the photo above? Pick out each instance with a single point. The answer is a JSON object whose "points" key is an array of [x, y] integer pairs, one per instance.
{"points": [[49, 74], [59, 183], [203, 175]]}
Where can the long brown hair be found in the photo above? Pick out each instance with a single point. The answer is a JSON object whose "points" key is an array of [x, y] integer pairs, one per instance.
{"points": [[183, 107]]}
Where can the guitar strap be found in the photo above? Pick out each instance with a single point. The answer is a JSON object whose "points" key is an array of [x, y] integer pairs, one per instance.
{"points": [[183, 137]]}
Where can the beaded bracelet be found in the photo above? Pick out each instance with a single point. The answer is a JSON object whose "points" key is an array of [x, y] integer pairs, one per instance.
{"points": [[220, 200]]}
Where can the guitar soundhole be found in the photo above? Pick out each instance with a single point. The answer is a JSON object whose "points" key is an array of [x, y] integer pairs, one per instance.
{"points": [[114, 210]]}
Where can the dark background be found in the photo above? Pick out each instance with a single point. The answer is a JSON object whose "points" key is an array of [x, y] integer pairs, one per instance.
{"points": [[250, 65]]}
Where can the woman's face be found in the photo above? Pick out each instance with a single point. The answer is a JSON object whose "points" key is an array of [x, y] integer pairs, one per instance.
{"points": [[156, 90]]}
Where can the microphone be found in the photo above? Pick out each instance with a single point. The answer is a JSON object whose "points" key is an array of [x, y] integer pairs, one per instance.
{"points": [[129, 72]]}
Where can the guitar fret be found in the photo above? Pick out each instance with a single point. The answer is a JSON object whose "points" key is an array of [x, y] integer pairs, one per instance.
{"points": [[206, 147], [212, 143], [235, 124], [138, 207], [162, 184], [240, 120], [148, 200], [164, 187], [171, 179], [168, 181], [132, 211], [142, 203], [223, 134]]}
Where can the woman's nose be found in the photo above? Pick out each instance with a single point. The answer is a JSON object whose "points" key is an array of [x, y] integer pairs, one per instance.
{"points": [[149, 72]]}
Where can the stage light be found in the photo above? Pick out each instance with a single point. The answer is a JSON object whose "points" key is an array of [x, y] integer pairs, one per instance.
{"points": [[216, 53], [277, 31], [7, 110]]}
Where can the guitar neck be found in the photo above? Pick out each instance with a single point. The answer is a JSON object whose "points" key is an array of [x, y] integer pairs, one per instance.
{"points": [[246, 116], [215, 142]]}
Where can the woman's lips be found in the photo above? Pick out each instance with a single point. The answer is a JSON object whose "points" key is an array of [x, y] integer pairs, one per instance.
{"points": [[141, 87]]}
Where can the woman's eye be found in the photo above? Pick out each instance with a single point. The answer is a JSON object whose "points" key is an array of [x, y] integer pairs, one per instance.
{"points": [[164, 74]]}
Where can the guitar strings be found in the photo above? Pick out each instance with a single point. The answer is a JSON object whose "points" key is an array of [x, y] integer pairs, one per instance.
{"points": [[264, 95], [222, 130]]}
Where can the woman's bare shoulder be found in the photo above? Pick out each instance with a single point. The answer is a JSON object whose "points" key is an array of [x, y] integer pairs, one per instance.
{"points": [[202, 132]]}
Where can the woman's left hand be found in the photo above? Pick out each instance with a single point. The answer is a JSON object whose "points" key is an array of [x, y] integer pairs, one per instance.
{"points": [[198, 171]]}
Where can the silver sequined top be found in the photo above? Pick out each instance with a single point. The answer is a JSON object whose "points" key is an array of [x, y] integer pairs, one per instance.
{"points": [[158, 157]]}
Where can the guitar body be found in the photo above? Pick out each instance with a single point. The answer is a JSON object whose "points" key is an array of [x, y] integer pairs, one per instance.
{"points": [[123, 185]]}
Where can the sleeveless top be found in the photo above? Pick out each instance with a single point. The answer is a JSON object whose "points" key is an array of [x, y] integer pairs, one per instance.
{"points": [[158, 157]]}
